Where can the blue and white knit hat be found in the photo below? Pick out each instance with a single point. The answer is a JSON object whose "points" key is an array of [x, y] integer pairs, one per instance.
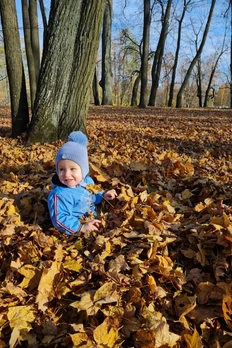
{"points": [[75, 150]]}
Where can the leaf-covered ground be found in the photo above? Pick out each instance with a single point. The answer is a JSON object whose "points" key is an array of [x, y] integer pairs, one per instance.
{"points": [[159, 272]]}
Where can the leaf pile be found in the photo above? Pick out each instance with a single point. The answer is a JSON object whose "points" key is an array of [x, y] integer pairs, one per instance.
{"points": [[159, 272]]}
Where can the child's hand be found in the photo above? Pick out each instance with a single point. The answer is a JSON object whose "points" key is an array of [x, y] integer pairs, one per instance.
{"points": [[91, 226], [109, 195]]}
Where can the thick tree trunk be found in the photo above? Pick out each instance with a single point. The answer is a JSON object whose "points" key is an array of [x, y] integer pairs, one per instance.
{"points": [[107, 75], [15, 71], [189, 71], [67, 69]]}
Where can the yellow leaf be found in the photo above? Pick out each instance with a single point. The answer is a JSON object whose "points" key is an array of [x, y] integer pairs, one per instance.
{"points": [[106, 336], [29, 272], [11, 210], [86, 303], [81, 340], [106, 294], [20, 317], [72, 265], [194, 340], [99, 174], [94, 188], [46, 288]]}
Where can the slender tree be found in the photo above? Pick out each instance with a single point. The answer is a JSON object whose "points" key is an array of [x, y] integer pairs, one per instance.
{"points": [[107, 75], [158, 57], [34, 26], [171, 91], [145, 53], [95, 89], [67, 69], [29, 51], [198, 54], [15, 71]]}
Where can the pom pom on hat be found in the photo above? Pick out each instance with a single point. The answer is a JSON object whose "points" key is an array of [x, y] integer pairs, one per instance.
{"points": [[75, 150], [78, 137]]}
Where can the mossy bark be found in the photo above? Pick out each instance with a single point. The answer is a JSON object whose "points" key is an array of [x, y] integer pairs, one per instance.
{"points": [[67, 69]]}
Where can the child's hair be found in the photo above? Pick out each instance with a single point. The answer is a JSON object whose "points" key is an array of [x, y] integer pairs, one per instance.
{"points": [[75, 150]]}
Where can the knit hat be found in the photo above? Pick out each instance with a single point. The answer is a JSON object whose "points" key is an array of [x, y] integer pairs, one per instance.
{"points": [[75, 150]]}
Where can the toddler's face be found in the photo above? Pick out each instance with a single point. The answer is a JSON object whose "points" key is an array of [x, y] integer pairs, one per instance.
{"points": [[69, 173]]}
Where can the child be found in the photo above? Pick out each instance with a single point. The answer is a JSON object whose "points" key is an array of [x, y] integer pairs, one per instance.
{"points": [[69, 199]]}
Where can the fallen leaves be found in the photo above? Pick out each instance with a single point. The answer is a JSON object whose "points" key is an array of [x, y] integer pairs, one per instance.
{"points": [[159, 272]]}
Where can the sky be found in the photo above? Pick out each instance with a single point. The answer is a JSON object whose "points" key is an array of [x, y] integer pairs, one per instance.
{"points": [[128, 17]]}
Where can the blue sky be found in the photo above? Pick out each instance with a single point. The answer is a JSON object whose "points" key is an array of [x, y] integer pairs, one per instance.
{"points": [[131, 19]]}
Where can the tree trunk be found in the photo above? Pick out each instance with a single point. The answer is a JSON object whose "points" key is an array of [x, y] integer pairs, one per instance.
{"points": [[157, 62], [135, 90], [15, 71], [29, 52], [209, 86], [189, 71], [34, 26], [171, 91], [107, 75], [95, 89], [145, 54], [67, 69], [43, 13], [199, 83]]}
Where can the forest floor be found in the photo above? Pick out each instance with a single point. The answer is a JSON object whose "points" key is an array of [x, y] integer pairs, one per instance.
{"points": [[159, 272]]}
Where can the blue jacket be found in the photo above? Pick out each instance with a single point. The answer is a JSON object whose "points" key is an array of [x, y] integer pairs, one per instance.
{"points": [[67, 205]]}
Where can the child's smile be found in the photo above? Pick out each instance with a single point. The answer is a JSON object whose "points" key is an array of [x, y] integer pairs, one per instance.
{"points": [[69, 173]]}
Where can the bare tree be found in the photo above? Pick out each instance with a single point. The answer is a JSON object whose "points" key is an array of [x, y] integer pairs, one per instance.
{"points": [[171, 91], [158, 57], [106, 55], [198, 54], [145, 54], [33, 75], [34, 26]]}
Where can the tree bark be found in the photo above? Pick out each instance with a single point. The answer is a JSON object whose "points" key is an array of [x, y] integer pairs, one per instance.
{"points": [[135, 90], [95, 89], [15, 71], [67, 69], [145, 54], [157, 62], [107, 75], [34, 26], [189, 71], [171, 91], [29, 52]]}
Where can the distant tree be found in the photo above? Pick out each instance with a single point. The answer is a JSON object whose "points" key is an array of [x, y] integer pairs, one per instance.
{"points": [[196, 57], [67, 69], [95, 89], [15, 71], [145, 53], [158, 56], [180, 22], [131, 53], [107, 75], [31, 38]]}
